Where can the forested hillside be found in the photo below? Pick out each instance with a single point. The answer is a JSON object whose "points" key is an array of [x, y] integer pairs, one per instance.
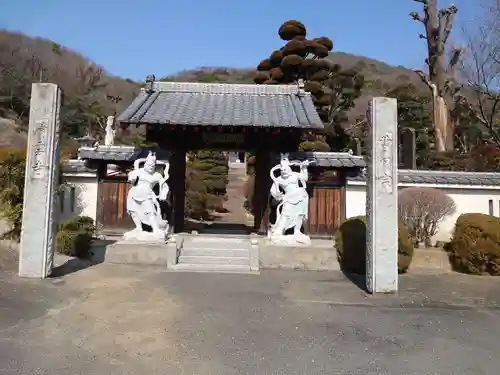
{"points": [[90, 94], [380, 77]]}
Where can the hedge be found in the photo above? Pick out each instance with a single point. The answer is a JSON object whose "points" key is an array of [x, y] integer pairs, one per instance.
{"points": [[12, 169], [74, 237], [475, 246], [350, 243]]}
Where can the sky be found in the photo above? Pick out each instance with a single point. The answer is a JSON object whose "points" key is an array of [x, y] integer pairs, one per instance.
{"points": [[132, 39]]}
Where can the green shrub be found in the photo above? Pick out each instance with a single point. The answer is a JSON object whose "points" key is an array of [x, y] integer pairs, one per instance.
{"points": [[75, 244], [314, 145], [250, 163], [74, 237], [206, 183], [475, 246], [350, 242], [196, 200], [249, 194], [213, 166], [78, 224], [12, 169]]}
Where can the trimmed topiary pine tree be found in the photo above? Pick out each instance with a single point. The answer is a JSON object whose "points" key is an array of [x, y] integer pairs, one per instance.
{"points": [[333, 89], [212, 168]]}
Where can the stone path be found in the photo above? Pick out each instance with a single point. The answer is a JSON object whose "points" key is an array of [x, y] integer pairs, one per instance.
{"points": [[235, 196]]}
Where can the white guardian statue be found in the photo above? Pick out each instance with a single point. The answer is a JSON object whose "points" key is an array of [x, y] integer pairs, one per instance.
{"points": [[110, 132], [289, 189], [142, 202]]}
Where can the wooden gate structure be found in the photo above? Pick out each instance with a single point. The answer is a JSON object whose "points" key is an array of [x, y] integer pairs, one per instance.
{"points": [[112, 205], [326, 211], [179, 117]]}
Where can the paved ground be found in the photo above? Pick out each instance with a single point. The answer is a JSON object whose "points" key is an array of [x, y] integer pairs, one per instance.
{"points": [[124, 320], [235, 193]]}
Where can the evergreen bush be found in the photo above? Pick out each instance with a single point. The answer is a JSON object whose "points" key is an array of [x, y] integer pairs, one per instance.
{"points": [[475, 246], [12, 170], [74, 237], [206, 183], [350, 243]]}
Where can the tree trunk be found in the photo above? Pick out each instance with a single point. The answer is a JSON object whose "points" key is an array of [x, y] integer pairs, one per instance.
{"points": [[438, 25], [441, 126]]}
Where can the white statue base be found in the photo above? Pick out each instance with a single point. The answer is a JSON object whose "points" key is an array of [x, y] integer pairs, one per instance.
{"points": [[143, 236], [290, 240]]}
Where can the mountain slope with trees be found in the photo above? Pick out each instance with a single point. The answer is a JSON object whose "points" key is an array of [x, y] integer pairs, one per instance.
{"points": [[90, 94], [380, 77]]}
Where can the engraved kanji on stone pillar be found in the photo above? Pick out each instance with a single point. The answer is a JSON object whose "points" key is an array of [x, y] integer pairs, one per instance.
{"points": [[42, 173], [382, 197]]}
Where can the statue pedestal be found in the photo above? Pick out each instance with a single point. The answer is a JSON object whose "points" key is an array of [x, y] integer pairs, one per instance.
{"points": [[142, 236], [290, 240], [159, 253]]}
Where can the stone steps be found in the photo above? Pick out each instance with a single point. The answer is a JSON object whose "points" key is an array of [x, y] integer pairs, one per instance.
{"points": [[225, 260], [208, 252], [213, 253], [208, 242], [219, 268]]}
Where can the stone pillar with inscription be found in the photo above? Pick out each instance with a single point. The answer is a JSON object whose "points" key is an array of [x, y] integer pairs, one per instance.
{"points": [[382, 197], [42, 173]]}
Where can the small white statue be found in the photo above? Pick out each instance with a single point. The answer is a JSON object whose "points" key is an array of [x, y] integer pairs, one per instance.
{"points": [[142, 202], [289, 189], [109, 138]]}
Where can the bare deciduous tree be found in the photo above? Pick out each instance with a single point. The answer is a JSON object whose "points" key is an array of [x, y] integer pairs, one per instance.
{"points": [[440, 78], [422, 209], [481, 68]]}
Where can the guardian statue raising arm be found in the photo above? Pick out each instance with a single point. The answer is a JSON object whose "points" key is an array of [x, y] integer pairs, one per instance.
{"points": [[289, 189], [142, 202]]}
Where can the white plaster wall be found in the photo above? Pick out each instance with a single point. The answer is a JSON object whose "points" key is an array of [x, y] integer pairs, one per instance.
{"points": [[355, 201], [85, 198], [468, 199]]}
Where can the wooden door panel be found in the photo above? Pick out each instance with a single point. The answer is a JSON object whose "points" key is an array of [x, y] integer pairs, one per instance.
{"points": [[112, 205], [325, 208]]}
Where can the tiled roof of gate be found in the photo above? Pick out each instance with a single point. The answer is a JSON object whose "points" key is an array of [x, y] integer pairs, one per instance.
{"points": [[328, 159], [77, 166], [117, 153], [415, 176], [223, 104]]}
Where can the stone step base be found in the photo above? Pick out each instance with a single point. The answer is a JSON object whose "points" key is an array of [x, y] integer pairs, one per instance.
{"points": [[219, 268], [242, 261], [223, 253], [216, 242], [124, 252], [215, 253]]}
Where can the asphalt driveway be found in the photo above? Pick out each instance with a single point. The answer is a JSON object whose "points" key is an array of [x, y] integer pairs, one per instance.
{"points": [[127, 320]]}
